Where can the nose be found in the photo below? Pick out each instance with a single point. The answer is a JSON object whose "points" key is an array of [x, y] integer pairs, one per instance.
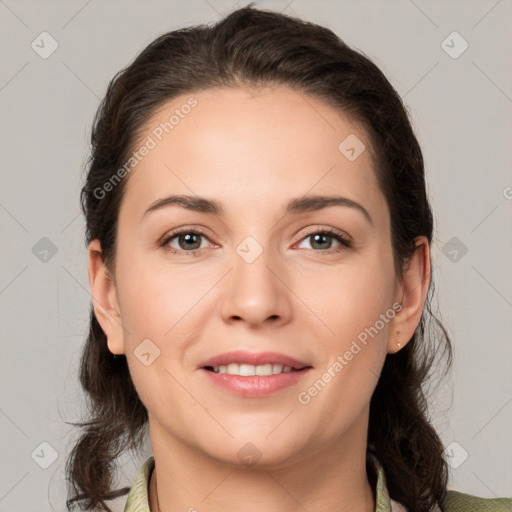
{"points": [[256, 292]]}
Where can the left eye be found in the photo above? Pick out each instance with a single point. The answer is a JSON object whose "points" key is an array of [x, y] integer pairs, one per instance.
{"points": [[319, 239]]}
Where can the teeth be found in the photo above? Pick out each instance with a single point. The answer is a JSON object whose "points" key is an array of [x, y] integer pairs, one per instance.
{"points": [[233, 369], [277, 368], [248, 370], [264, 369]]}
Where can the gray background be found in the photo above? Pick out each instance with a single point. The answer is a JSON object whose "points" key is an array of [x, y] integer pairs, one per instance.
{"points": [[461, 109]]}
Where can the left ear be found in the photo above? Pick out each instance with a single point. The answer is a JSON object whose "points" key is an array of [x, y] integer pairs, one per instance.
{"points": [[414, 287]]}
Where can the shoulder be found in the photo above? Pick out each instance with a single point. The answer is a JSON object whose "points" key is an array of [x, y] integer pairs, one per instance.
{"points": [[460, 502]]}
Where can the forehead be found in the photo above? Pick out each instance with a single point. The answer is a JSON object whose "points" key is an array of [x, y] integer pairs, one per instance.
{"points": [[251, 146]]}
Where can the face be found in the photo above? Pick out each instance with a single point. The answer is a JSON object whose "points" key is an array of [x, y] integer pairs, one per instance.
{"points": [[277, 277]]}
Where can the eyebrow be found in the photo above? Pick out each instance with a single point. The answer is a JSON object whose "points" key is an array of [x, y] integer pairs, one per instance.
{"points": [[295, 206]]}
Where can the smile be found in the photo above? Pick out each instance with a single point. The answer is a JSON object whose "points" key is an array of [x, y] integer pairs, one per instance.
{"points": [[253, 374], [249, 370]]}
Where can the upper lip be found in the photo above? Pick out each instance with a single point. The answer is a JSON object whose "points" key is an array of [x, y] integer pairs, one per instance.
{"points": [[253, 358]]}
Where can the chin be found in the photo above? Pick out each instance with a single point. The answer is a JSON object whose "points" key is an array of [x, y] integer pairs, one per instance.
{"points": [[258, 451]]}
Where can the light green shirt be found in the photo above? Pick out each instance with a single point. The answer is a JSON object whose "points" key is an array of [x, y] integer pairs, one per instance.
{"points": [[138, 500]]}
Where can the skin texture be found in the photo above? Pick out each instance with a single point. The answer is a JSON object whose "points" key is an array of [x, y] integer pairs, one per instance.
{"points": [[254, 150]]}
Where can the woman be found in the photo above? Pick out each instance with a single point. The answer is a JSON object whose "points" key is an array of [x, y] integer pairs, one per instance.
{"points": [[259, 237]]}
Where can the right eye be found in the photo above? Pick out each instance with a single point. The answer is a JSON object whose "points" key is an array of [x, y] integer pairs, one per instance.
{"points": [[186, 239]]}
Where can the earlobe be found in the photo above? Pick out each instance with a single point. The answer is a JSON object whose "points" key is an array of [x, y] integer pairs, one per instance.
{"points": [[104, 299], [414, 284]]}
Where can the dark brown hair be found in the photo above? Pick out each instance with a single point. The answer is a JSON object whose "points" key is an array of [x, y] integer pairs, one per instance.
{"points": [[252, 47]]}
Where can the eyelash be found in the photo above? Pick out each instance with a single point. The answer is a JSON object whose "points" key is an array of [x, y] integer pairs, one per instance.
{"points": [[332, 233]]}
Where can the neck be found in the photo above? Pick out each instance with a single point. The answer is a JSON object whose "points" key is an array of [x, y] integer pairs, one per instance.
{"points": [[331, 479]]}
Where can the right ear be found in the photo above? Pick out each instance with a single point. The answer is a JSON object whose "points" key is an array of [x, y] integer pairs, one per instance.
{"points": [[104, 297]]}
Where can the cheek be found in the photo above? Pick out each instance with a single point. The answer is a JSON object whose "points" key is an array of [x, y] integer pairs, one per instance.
{"points": [[153, 300], [352, 359], [171, 310], [354, 305], [154, 308], [349, 298]]}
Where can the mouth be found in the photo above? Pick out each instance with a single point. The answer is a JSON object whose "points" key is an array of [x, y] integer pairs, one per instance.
{"points": [[249, 370], [254, 374]]}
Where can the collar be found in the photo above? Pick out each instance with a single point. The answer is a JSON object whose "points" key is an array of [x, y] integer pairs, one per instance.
{"points": [[138, 498]]}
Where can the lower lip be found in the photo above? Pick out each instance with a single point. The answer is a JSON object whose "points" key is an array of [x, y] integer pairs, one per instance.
{"points": [[255, 386]]}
